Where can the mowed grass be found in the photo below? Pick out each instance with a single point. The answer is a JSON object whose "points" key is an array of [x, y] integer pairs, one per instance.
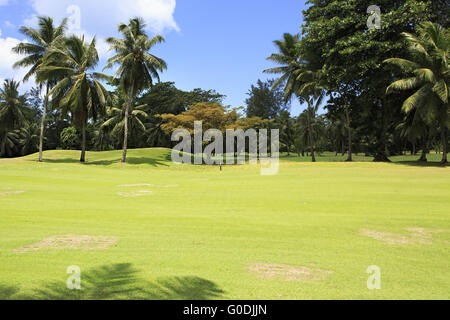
{"points": [[196, 234]]}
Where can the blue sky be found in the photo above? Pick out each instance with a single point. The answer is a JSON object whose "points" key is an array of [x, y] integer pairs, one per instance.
{"points": [[210, 44]]}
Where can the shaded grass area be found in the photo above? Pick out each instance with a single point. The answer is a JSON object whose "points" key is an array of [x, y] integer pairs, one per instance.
{"points": [[196, 239], [119, 281]]}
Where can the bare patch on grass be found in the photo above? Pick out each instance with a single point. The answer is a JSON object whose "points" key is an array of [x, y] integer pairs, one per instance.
{"points": [[69, 241], [418, 236], [289, 273], [10, 193], [134, 194], [135, 185]]}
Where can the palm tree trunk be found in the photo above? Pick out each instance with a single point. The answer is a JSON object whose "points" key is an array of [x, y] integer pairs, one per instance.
{"points": [[101, 140], [125, 132], [311, 138], [444, 145], [350, 138], [44, 115], [423, 156], [3, 150], [83, 143]]}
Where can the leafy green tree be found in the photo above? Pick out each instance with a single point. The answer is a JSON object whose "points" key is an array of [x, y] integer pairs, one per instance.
{"points": [[165, 98], [70, 138], [352, 55], [11, 115], [428, 75], [79, 92], [42, 39], [264, 102], [137, 67]]}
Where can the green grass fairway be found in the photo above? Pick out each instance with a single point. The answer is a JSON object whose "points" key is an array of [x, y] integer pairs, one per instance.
{"points": [[200, 232]]}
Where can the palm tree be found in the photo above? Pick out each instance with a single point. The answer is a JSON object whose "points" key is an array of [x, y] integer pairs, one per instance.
{"points": [[78, 92], [42, 39], [29, 139], [428, 75], [301, 134], [287, 130], [300, 77], [137, 67], [312, 92], [337, 131], [11, 116], [116, 117]]}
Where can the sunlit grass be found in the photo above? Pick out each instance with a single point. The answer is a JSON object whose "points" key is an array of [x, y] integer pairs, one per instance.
{"points": [[200, 228]]}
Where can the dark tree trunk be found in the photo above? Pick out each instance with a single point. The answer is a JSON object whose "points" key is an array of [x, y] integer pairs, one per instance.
{"points": [[444, 146], [125, 133], [310, 134], [423, 156], [44, 115], [3, 150], [101, 140], [350, 138], [380, 153], [83, 143]]}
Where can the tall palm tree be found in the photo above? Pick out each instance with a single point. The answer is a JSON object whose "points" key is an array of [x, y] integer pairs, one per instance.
{"points": [[42, 39], [429, 76], [299, 76], [137, 67], [79, 92], [11, 116], [312, 91]]}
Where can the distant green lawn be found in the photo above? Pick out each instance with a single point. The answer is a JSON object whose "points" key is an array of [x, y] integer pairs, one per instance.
{"points": [[206, 234]]}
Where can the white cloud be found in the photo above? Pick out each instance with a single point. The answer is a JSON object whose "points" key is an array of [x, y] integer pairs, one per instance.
{"points": [[7, 59], [9, 24], [3, 2], [103, 16]]}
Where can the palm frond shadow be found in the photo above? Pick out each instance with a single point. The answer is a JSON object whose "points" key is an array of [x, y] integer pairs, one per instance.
{"points": [[121, 282], [131, 160]]}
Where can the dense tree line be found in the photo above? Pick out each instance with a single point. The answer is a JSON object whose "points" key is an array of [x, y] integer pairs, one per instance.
{"points": [[381, 92], [386, 89]]}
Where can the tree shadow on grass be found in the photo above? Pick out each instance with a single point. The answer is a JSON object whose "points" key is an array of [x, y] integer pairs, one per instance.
{"points": [[120, 282], [422, 164], [130, 160]]}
